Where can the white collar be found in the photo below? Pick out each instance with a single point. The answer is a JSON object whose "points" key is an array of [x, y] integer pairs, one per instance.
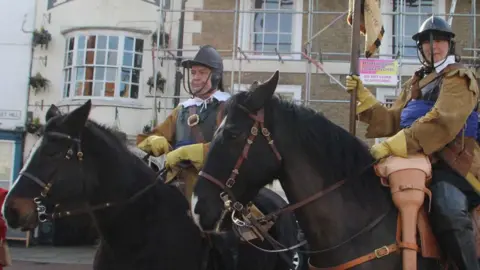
{"points": [[441, 65], [218, 95]]}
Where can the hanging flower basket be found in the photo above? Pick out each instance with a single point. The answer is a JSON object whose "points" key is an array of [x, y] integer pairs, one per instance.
{"points": [[38, 83], [164, 39], [34, 126], [160, 82], [41, 37]]}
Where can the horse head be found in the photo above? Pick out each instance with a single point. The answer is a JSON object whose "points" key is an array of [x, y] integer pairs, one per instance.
{"points": [[240, 155], [64, 168]]}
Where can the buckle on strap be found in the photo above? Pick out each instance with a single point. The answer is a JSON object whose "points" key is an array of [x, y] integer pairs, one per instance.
{"points": [[381, 252]]}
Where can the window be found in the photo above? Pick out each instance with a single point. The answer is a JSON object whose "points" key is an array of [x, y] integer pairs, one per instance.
{"points": [[102, 66], [406, 25], [270, 25], [288, 92]]}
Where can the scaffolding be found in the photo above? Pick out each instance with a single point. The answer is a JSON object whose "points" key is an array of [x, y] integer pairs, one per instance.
{"points": [[315, 57]]}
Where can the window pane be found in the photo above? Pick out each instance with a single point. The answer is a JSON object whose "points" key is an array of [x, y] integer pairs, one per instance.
{"points": [[100, 58], [66, 90], [258, 42], [271, 23], [80, 73], [128, 59], [270, 40], [112, 58], [138, 60], [89, 57], [113, 43], [99, 73], [135, 76], [102, 42], [91, 42], [89, 73], [134, 91], [80, 57], [139, 45], [69, 58], [285, 48], [128, 44], [286, 22], [98, 89], [109, 89], [78, 88], [88, 89], [126, 74], [111, 74], [72, 43], [258, 24], [124, 90]]}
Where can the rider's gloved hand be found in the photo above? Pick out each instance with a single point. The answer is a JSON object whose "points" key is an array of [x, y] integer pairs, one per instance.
{"points": [[157, 145], [395, 145], [364, 96], [193, 153]]}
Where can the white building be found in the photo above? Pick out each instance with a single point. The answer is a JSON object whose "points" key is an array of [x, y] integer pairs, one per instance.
{"points": [[15, 52]]}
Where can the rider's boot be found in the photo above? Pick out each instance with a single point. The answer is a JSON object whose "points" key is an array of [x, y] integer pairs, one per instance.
{"points": [[452, 224]]}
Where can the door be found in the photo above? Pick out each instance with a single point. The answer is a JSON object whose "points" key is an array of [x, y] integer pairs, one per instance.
{"points": [[7, 157]]}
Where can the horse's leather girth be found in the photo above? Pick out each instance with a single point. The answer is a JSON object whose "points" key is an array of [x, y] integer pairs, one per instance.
{"points": [[407, 179]]}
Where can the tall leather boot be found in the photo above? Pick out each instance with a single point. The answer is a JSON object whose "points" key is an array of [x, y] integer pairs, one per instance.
{"points": [[461, 249], [453, 226]]}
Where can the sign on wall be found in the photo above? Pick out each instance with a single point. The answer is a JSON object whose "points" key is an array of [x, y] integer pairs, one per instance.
{"points": [[381, 72]]}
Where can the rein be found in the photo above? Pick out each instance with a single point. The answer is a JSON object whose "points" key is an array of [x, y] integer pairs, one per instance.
{"points": [[233, 205]]}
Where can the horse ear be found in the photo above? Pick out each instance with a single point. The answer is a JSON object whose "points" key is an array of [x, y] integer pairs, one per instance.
{"points": [[77, 119], [52, 112], [263, 93]]}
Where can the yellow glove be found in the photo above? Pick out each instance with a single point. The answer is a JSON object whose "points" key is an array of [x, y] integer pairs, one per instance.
{"points": [[364, 97], [193, 153], [157, 145], [396, 145]]}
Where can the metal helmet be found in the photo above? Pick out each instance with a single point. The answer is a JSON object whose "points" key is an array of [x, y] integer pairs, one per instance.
{"points": [[208, 57], [434, 28]]}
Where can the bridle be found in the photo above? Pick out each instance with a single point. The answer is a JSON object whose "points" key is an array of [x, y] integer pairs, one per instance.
{"points": [[231, 204], [75, 150]]}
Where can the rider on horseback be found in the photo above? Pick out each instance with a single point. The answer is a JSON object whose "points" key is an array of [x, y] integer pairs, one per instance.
{"points": [[191, 125], [435, 114]]}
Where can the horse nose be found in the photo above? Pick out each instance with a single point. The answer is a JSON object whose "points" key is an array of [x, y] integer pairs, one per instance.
{"points": [[12, 216]]}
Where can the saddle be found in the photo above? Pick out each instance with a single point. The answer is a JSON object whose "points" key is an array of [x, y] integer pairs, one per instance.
{"points": [[426, 242]]}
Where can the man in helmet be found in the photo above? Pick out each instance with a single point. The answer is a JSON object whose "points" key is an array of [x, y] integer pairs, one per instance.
{"points": [[435, 114], [190, 126]]}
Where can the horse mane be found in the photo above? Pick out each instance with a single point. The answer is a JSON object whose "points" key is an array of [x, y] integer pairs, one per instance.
{"points": [[332, 152]]}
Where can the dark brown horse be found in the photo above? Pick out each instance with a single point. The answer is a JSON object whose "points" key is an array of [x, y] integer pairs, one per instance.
{"points": [[87, 169], [264, 137]]}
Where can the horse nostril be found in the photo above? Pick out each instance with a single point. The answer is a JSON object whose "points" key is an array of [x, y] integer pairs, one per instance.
{"points": [[12, 217]]}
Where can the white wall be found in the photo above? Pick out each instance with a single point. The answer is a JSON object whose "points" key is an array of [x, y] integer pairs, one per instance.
{"points": [[15, 54]]}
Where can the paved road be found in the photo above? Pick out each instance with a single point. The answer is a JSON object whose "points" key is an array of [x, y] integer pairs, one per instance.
{"points": [[22, 265]]}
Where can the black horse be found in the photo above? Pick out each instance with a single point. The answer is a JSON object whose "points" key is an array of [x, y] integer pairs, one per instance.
{"points": [[87, 169], [308, 154]]}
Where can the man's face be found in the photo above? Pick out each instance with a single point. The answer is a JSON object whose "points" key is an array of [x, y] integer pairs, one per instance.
{"points": [[440, 50], [200, 80]]}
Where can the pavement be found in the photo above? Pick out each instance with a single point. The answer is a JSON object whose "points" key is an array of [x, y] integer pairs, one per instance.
{"points": [[51, 258]]}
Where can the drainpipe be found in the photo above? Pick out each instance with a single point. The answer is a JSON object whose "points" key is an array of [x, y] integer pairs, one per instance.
{"points": [[30, 68], [178, 74]]}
